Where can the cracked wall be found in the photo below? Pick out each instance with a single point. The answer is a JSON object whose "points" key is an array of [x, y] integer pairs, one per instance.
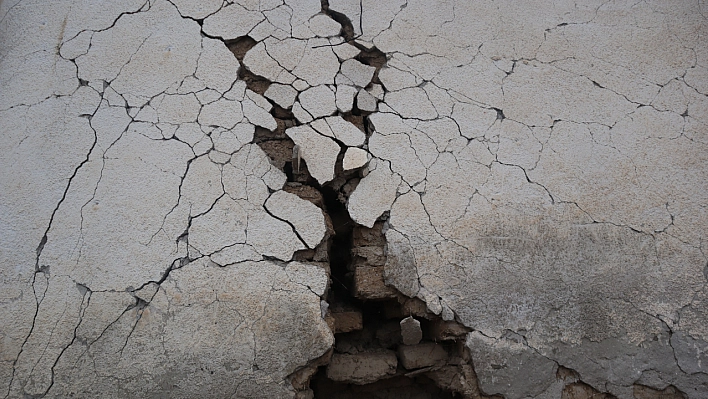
{"points": [[236, 198]]}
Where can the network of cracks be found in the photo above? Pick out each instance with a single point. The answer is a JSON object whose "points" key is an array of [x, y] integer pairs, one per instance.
{"points": [[386, 344]]}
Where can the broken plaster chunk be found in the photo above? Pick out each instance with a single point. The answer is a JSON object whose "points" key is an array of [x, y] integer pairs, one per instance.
{"points": [[342, 130], [177, 109], [343, 49], [193, 135], [207, 96], [217, 67], [237, 91], [230, 141], [257, 115], [318, 151], [395, 79], [231, 22], [411, 331], [219, 157], [300, 85], [377, 91], [258, 61], [360, 74], [365, 101], [345, 97], [421, 355], [234, 254], [272, 237], [312, 276], [362, 368], [224, 225], [411, 103], [374, 194], [355, 158], [223, 113], [318, 64], [283, 95], [300, 114], [318, 101], [324, 26], [197, 9], [306, 218]]}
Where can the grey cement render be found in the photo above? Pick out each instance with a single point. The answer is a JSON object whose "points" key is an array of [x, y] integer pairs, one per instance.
{"points": [[543, 166]]}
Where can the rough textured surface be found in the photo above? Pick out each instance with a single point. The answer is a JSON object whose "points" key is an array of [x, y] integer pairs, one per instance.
{"points": [[538, 170]]}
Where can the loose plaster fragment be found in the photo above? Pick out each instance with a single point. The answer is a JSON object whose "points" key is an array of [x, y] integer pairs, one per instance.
{"points": [[223, 113], [318, 151], [300, 85], [343, 50], [324, 26], [208, 96], [176, 109], [258, 61], [300, 114], [355, 158], [230, 141], [342, 130], [271, 237], [283, 95], [231, 22], [345, 97], [224, 225], [258, 115], [395, 79], [359, 74], [318, 101], [201, 186], [365, 101], [217, 68], [411, 103], [197, 9], [306, 218], [374, 194], [219, 157], [143, 54], [193, 135], [77, 46], [311, 276], [318, 65], [377, 91]]}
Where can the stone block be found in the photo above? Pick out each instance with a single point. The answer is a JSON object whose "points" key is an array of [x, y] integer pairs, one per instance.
{"points": [[362, 368], [421, 355]]}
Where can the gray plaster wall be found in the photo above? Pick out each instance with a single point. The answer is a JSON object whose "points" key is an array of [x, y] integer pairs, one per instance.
{"points": [[541, 165]]}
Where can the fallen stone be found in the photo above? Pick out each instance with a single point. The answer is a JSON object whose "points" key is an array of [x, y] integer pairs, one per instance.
{"points": [[362, 368], [421, 355], [410, 331]]}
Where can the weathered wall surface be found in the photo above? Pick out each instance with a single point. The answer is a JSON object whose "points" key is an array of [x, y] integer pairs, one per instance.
{"points": [[538, 170]]}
